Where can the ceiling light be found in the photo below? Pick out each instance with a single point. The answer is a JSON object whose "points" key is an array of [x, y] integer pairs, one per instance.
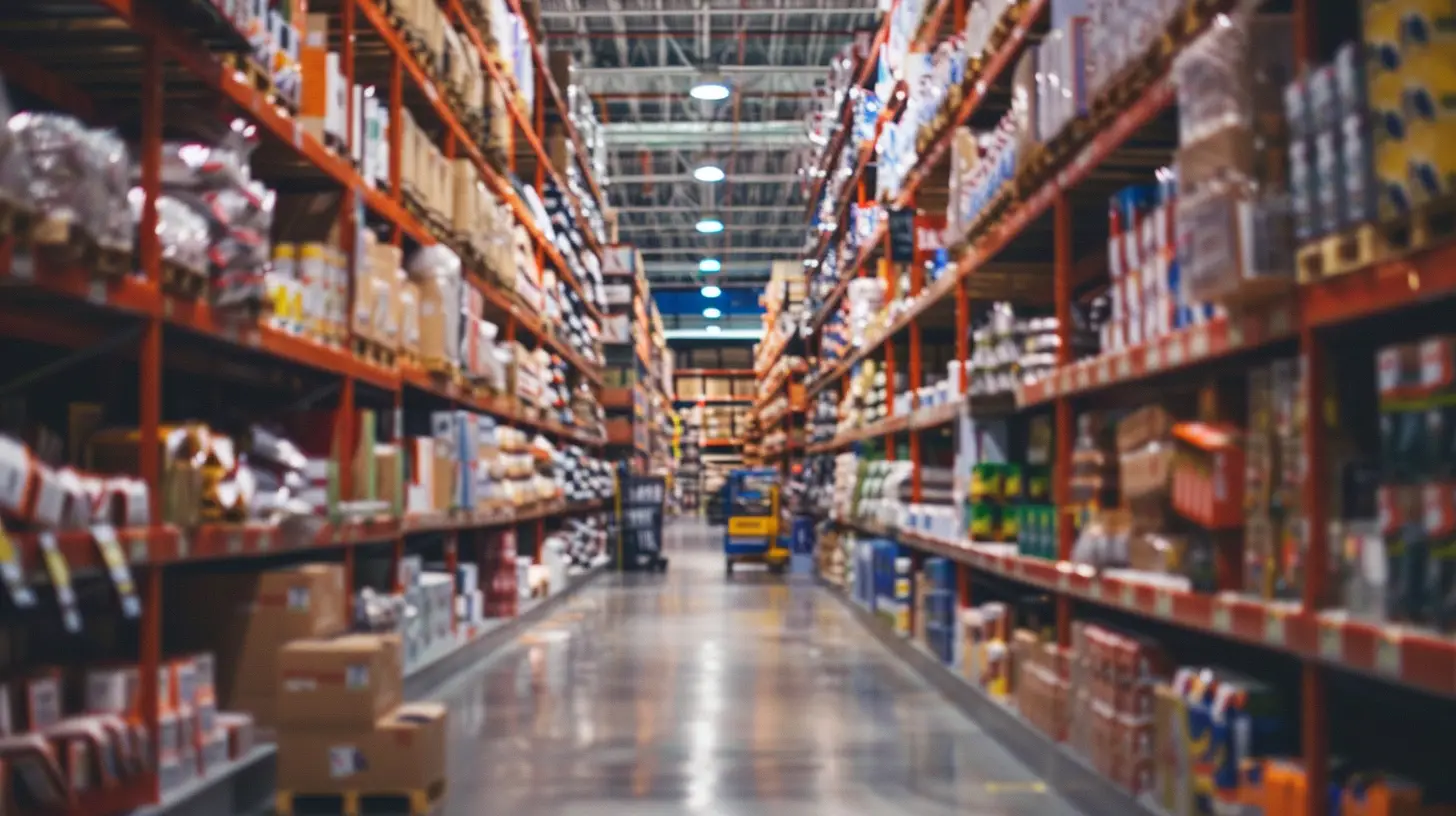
{"points": [[710, 87], [711, 291], [714, 328], [710, 225], [709, 171], [710, 265], [712, 313]]}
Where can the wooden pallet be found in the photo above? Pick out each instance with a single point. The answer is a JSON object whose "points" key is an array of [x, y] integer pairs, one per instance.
{"points": [[249, 67], [1340, 254], [1424, 226], [374, 352], [14, 219], [180, 280], [422, 802], [62, 241]]}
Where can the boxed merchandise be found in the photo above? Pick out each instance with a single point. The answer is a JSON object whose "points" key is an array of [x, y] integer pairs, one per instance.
{"points": [[340, 682], [403, 751], [247, 620]]}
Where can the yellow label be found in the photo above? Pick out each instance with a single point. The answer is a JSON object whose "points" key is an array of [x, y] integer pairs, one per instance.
{"points": [[56, 565]]}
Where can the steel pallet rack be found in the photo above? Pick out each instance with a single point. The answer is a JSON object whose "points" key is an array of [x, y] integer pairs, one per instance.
{"points": [[1318, 320], [170, 56]]}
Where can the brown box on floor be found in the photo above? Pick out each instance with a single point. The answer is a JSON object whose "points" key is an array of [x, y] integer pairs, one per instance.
{"points": [[247, 619], [401, 752], [344, 682]]}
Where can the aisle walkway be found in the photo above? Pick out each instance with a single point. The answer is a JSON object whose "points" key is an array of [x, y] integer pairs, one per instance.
{"points": [[649, 696]]}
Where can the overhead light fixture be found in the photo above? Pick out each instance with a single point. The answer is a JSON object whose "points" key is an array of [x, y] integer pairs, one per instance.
{"points": [[711, 291], [714, 328], [712, 313], [710, 87], [710, 265], [709, 171], [710, 225]]}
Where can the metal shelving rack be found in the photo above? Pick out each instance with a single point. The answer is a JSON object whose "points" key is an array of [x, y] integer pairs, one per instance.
{"points": [[167, 58], [1322, 641]]}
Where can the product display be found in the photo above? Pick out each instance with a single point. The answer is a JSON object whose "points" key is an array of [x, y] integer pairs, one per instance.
{"points": [[1205, 419], [293, 362]]}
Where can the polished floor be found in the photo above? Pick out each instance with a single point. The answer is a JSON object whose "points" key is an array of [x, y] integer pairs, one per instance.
{"points": [[691, 693]]}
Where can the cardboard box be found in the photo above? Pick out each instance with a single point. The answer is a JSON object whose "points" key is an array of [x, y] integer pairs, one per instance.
{"points": [[246, 619], [344, 682], [403, 751]]}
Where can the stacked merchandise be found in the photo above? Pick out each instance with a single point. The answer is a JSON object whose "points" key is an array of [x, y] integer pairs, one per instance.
{"points": [[879, 580], [846, 476], [830, 556], [1415, 498], [936, 607], [283, 606], [342, 726], [985, 657], [1011, 502], [500, 569], [1111, 701], [823, 416], [1233, 203], [1007, 350]]}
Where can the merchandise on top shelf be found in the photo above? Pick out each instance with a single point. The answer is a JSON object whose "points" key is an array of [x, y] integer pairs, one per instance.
{"points": [[1233, 204]]}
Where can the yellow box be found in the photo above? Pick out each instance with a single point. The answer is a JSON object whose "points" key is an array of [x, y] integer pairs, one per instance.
{"points": [[756, 527]]}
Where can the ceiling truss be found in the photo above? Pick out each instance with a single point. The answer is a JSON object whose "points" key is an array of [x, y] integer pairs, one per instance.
{"points": [[639, 58]]}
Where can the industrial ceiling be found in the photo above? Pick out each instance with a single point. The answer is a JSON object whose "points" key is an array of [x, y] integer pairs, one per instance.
{"points": [[640, 58]]}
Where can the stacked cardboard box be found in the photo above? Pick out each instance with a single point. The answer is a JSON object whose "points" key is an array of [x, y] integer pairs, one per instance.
{"points": [[1041, 676], [498, 573], [432, 594], [246, 620], [423, 169], [1114, 675], [342, 727]]}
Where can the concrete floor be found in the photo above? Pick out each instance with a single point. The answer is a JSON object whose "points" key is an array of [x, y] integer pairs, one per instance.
{"points": [[688, 693]]}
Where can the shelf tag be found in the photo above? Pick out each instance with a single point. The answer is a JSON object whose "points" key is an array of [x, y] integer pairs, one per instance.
{"points": [[1175, 352], [12, 573], [116, 567], [1153, 360], [1279, 322], [1235, 333], [96, 292], [1163, 603], [234, 542], [22, 264], [265, 540], [1129, 596], [1222, 618], [1275, 628], [1388, 655], [60, 574], [1331, 642], [1124, 366], [1064, 581], [1103, 371], [1198, 343]]}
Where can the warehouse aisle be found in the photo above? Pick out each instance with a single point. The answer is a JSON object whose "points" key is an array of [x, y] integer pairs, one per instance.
{"points": [[693, 694]]}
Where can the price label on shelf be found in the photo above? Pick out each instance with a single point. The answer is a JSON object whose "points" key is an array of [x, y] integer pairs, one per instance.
{"points": [[1064, 582], [265, 541], [1198, 343], [1163, 604], [1123, 366], [1175, 352], [1104, 371], [22, 264], [96, 292], [117, 569], [1128, 596], [1275, 627], [1331, 642], [234, 542], [12, 573], [1279, 322], [60, 573], [1153, 359], [1222, 618], [1235, 333], [1097, 591], [1388, 659]]}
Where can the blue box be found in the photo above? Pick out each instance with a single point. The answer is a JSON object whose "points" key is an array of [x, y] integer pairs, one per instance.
{"points": [[940, 572]]}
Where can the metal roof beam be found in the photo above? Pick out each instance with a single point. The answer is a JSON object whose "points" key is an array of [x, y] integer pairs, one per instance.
{"points": [[736, 178], [730, 11]]}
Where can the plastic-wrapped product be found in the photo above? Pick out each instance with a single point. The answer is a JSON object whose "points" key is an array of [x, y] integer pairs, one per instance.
{"points": [[184, 234], [15, 166], [76, 178]]}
